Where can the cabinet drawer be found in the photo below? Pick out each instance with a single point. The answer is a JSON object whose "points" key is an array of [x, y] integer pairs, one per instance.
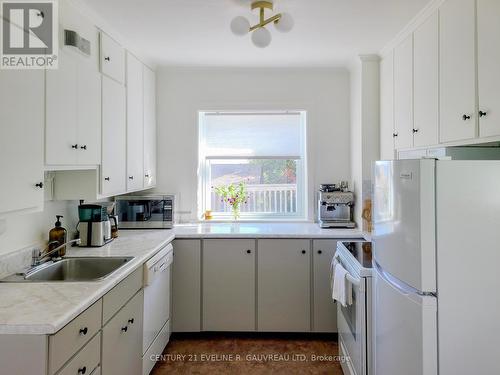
{"points": [[86, 360], [112, 58], [120, 294], [73, 336]]}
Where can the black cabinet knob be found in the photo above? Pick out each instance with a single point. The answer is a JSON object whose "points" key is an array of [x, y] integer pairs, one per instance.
{"points": [[82, 370], [394, 135], [303, 251], [39, 185], [131, 321], [465, 117], [84, 147], [415, 131], [320, 252], [146, 175], [83, 331], [125, 329], [107, 58], [106, 178], [482, 113], [130, 177], [249, 251], [75, 146]]}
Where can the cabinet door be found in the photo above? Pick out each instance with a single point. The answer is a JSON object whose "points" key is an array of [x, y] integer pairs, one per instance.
{"points": [[113, 168], [488, 32], [457, 118], [228, 285], [403, 94], [426, 83], [283, 271], [186, 286], [149, 128], [112, 58], [135, 124], [387, 107], [89, 115], [122, 340], [325, 309], [61, 139], [21, 139]]}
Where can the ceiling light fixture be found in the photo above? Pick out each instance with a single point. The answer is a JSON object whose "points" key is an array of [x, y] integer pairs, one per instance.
{"points": [[261, 37]]}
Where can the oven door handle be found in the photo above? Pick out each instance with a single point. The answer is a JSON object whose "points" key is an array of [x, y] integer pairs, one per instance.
{"points": [[354, 281]]}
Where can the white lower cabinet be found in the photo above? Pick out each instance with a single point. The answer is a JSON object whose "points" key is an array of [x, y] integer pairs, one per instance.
{"points": [[21, 139], [86, 360], [229, 285], [186, 286], [325, 309], [284, 303], [122, 340]]}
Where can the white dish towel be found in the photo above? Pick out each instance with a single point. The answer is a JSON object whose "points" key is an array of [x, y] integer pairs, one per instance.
{"points": [[341, 287]]}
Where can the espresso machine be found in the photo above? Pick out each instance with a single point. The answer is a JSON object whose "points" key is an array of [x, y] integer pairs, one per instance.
{"points": [[94, 225], [335, 206]]}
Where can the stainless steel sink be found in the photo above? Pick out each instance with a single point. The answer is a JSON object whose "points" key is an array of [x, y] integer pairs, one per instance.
{"points": [[72, 269]]}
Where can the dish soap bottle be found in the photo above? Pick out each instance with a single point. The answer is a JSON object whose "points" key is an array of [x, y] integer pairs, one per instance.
{"points": [[59, 234]]}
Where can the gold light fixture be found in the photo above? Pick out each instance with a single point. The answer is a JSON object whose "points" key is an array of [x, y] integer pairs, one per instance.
{"points": [[261, 37]]}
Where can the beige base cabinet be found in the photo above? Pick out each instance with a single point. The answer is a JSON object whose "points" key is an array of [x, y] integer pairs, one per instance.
{"points": [[229, 285], [186, 286], [325, 309], [122, 340], [284, 303]]}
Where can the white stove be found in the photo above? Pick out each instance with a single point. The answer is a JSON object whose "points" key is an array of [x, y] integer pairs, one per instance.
{"points": [[354, 321]]}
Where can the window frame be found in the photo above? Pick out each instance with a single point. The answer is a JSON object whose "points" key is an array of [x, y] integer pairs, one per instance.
{"points": [[204, 178]]}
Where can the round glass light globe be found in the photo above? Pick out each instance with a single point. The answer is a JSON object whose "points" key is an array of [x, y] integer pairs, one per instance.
{"points": [[285, 23], [261, 37], [240, 26]]}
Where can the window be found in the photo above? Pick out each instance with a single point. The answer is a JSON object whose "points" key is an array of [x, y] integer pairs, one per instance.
{"points": [[263, 150]]}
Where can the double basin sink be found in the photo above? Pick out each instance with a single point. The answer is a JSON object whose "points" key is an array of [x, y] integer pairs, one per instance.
{"points": [[71, 269]]}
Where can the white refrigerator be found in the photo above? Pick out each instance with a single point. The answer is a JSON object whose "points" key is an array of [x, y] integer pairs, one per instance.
{"points": [[436, 251]]}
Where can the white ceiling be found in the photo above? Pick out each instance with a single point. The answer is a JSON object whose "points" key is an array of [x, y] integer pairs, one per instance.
{"points": [[196, 32]]}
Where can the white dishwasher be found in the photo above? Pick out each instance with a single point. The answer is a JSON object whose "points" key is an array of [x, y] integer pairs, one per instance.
{"points": [[157, 292]]}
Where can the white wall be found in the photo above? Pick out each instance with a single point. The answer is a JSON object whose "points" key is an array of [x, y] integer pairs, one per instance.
{"points": [[22, 230], [182, 92], [365, 127]]}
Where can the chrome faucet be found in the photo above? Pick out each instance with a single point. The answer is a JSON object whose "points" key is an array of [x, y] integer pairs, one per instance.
{"points": [[38, 257]]}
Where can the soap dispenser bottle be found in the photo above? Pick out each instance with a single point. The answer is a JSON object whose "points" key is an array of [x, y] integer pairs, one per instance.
{"points": [[59, 234]]}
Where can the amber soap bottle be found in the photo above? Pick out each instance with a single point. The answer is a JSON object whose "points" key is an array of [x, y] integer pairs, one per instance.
{"points": [[59, 234]]}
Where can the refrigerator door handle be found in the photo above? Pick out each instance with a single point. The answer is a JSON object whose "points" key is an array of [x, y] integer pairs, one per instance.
{"points": [[395, 283]]}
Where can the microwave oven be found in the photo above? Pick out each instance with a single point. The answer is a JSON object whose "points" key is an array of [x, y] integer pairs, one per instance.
{"points": [[145, 211]]}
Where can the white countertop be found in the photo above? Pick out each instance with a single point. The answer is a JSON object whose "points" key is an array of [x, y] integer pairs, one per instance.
{"points": [[45, 308], [263, 230]]}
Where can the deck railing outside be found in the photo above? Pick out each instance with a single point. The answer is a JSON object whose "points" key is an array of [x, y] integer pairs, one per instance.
{"points": [[264, 198]]}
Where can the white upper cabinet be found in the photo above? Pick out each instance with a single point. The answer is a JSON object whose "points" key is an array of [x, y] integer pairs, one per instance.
{"points": [[135, 124], [426, 83], [403, 94], [113, 169], [488, 32], [73, 113], [457, 70], [112, 58], [73, 98], [149, 128], [21, 140], [387, 107]]}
